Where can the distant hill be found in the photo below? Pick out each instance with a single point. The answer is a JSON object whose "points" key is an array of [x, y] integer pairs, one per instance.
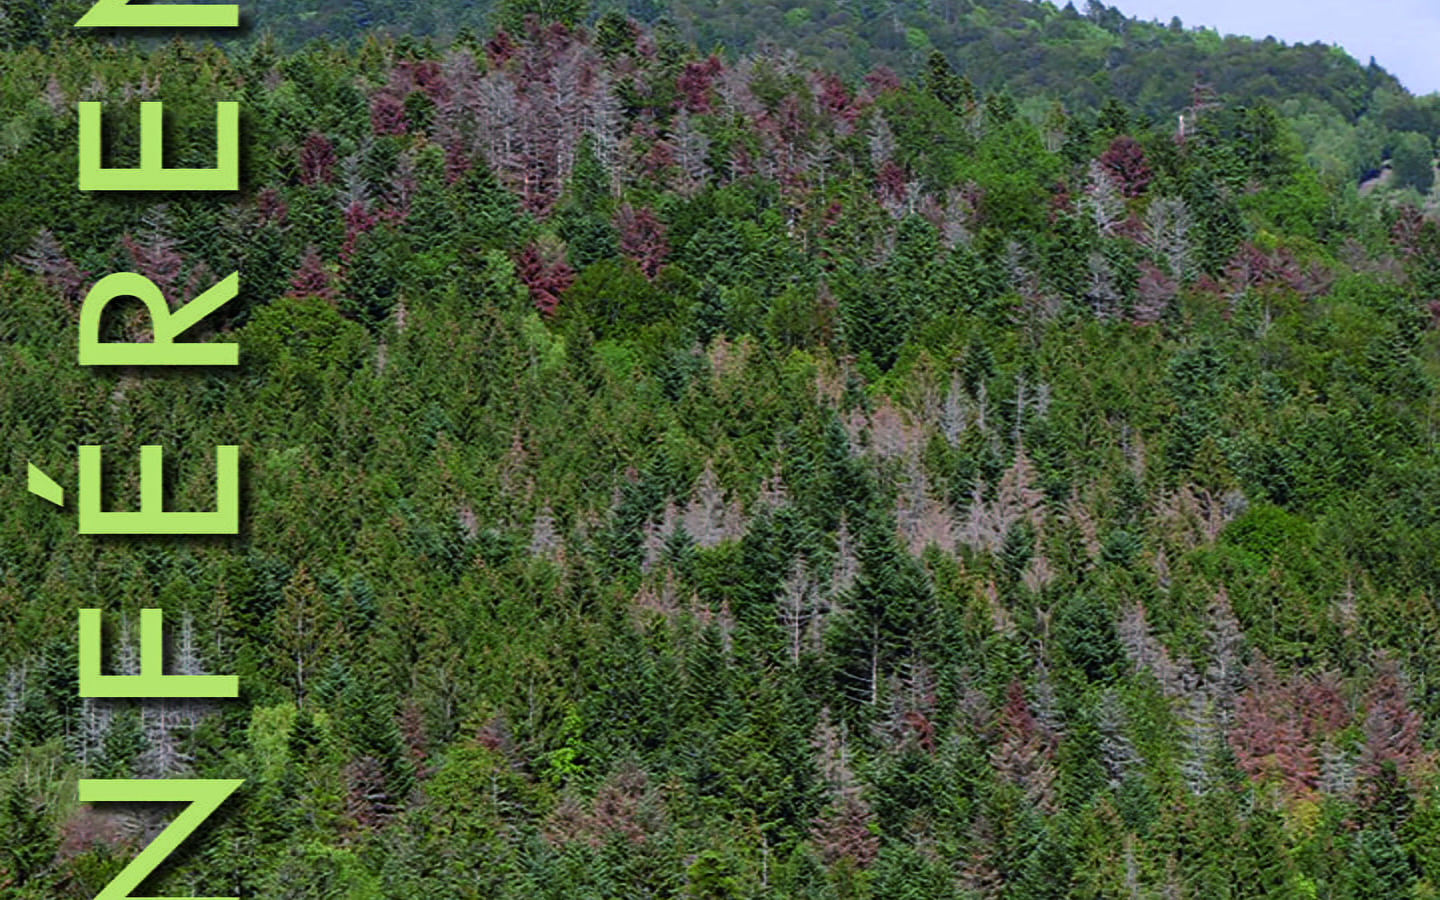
{"points": [[1030, 48], [1033, 48], [1348, 116]]}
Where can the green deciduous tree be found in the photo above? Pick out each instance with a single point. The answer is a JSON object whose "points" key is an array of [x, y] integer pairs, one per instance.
{"points": [[1413, 161]]}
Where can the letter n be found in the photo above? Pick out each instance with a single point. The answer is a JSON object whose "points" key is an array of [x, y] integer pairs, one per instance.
{"points": [[204, 795], [123, 14]]}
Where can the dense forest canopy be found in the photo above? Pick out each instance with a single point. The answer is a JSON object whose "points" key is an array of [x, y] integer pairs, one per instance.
{"points": [[681, 473]]}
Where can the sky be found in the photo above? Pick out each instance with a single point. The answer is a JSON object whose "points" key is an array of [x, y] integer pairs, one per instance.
{"points": [[1402, 35]]}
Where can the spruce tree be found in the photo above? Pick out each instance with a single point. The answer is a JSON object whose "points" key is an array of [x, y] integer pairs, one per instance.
{"points": [[943, 84]]}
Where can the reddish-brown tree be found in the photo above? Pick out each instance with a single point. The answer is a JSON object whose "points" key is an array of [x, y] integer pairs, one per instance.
{"points": [[1125, 160], [387, 114], [642, 238], [313, 278], [47, 259], [546, 274], [844, 832], [317, 160], [694, 83]]}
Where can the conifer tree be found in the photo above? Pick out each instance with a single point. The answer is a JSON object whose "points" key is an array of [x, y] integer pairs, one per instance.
{"points": [[30, 840], [943, 84]]}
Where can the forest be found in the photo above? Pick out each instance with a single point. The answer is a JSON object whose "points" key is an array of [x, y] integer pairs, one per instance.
{"points": [[678, 466]]}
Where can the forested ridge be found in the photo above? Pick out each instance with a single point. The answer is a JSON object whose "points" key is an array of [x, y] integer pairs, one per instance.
{"points": [[670, 474]]}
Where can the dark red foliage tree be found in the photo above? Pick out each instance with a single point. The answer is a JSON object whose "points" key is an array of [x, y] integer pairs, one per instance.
{"points": [[645, 46], [657, 159], [1024, 752], [845, 832], [642, 238], [499, 49], [881, 80], [546, 275], [420, 75], [694, 83], [313, 278], [835, 99], [1209, 288], [367, 801], [742, 164], [921, 729], [1125, 160], [358, 220], [1015, 720], [1406, 231], [1322, 705], [154, 257], [457, 162], [47, 259], [1281, 724], [1252, 267], [891, 179], [199, 279], [387, 114], [87, 827], [1392, 727], [1152, 295], [1269, 741], [317, 160], [271, 206], [1061, 203], [625, 806], [412, 730], [495, 735], [784, 130]]}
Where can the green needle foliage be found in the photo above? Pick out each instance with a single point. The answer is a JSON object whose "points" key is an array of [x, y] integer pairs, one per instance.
{"points": [[974, 456]]}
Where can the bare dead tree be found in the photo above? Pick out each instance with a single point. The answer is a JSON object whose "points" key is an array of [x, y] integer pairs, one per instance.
{"points": [[690, 148], [800, 609], [1201, 738], [1117, 751], [847, 563], [920, 519], [954, 414], [881, 141], [13, 700], [1104, 199], [1337, 770], [1225, 675], [544, 539], [1167, 233], [1102, 291], [46, 258]]}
